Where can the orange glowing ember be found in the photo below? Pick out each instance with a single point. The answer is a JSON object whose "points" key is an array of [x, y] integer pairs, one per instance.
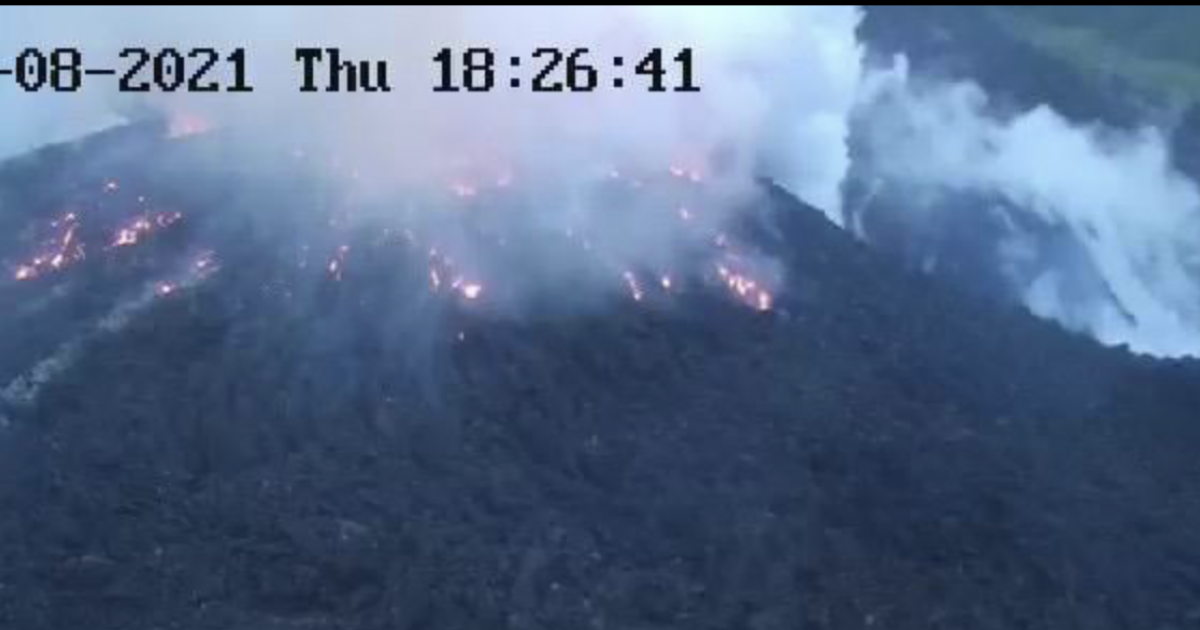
{"points": [[126, 237], [471, 290], [57, 252], [132, 234], [745, 289], [631, 282], [186, 125], [338, 263]]}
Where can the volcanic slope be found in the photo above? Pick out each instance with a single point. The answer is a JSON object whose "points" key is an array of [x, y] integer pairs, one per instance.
{"points": [[876, 450]]}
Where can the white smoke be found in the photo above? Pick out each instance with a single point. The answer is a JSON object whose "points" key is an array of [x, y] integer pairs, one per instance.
{"points": [[772, 78], [23, 391], [1135, 216], [780, 88]]}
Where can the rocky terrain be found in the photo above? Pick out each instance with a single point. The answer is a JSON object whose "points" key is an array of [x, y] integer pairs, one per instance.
{"points": [[270, 449]]}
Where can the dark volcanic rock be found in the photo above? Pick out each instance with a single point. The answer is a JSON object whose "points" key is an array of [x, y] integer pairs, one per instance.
{"points": [[878, 451]]}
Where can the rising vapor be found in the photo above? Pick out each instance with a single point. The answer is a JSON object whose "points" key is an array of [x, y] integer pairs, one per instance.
{"points": [[782, 90], [772, 79], [1132, 214]]}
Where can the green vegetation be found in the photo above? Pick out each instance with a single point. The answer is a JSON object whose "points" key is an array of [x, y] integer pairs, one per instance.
{"points": [[1153, 49]]}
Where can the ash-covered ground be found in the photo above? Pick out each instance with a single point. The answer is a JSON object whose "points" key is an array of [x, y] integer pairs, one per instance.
{"points": [[201, 430]]}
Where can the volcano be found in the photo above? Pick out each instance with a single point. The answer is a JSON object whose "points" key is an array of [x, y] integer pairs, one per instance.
{"points": [[204, 426]]}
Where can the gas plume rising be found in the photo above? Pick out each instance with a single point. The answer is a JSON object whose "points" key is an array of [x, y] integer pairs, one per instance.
{"points": [[772, 79]]}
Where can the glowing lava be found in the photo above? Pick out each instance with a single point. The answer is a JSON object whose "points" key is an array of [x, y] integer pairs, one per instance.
{"points": [[338, 263], [635, 291], [471, 290], [187, 124], [57, 252], [746, 289], [133, 233], [713, 259]]}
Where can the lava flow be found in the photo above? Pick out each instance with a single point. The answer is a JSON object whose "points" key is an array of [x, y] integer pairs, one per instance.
{"points": [[711, 247], [66, 239], [676, 199], [57, 252]]}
